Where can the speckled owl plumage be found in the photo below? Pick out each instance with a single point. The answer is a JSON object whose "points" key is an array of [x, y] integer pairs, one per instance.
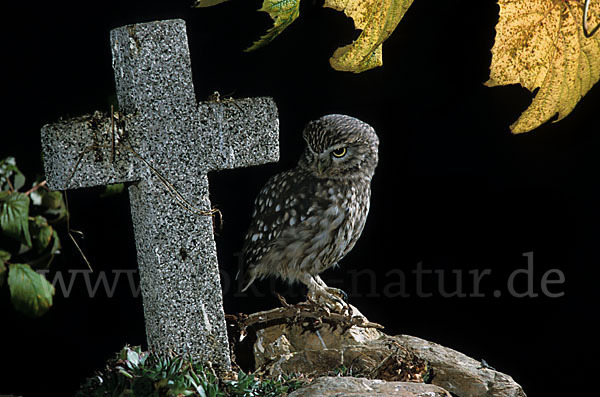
{"points": [[308, 218]]}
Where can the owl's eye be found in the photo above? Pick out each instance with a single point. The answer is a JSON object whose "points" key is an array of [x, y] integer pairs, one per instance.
{"points": [[339, 153]]}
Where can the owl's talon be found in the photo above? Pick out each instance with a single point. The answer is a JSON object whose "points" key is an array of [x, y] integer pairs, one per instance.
{"points": [[329, 301], [338, 293]]}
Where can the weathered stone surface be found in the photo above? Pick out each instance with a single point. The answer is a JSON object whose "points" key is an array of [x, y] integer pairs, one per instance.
{"points": [[360, 387], [317, 346], [295, 345], [461, 374], [165, 143], [298, 346]]}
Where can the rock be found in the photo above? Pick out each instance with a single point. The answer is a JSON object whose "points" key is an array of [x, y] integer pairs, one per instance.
{"points": [[305, 339], [321, 349], [461, 374], [360, 387]]}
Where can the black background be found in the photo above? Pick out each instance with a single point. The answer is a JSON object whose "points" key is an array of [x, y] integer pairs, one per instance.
{"points": [[453, 189]]}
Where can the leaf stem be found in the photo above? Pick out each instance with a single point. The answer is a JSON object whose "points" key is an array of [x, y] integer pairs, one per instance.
{"points": [[11, 188], [36, 187]]}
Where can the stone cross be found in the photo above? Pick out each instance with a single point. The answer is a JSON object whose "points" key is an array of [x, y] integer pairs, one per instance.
{"points": [[166, 139]]}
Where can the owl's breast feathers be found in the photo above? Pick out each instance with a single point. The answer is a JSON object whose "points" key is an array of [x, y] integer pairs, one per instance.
{"points": [[302, 224]]}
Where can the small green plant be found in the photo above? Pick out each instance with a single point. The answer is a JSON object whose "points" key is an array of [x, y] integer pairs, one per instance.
{"points": [[247, 385], [342, 370], [29, 240], [136, 373]]}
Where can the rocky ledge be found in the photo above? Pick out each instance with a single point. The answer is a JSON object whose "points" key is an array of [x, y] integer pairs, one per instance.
{"points": [[306, 339]]}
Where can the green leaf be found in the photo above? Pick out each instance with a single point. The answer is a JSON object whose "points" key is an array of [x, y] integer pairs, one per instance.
{"points": [[8, 169], [18, 180], [4, 257], [30, 292], [111, 190], [2, 273], [133, 357], [54, 204], [56, 243], [207, 3], [283, 13], [41, 233], [200, 390], [14, 214], [53, 200], [36, 197]]}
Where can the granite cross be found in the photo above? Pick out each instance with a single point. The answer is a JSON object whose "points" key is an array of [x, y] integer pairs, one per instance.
{"points": [[166, 139]]}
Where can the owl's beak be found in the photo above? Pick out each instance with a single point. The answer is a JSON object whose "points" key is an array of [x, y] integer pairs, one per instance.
{"points": [[320, 166]]}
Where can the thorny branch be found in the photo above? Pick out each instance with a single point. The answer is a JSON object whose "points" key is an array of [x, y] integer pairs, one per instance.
{"points": [[307, 314]]}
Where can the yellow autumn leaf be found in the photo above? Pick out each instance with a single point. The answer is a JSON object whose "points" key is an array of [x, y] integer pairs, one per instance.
{"points": [[377, 19], [541, 44]]}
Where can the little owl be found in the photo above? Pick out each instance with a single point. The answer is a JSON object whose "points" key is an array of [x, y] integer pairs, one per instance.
{"points": [[308, 218]]}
